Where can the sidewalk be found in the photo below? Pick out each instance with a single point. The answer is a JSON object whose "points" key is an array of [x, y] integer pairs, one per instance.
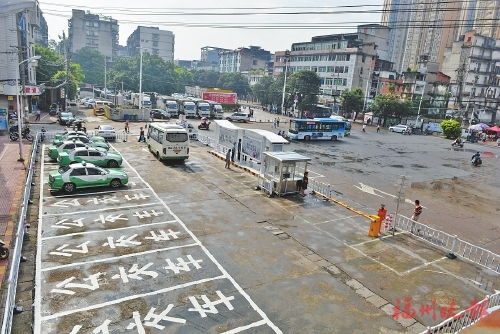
{"points": [[45, 118], [12, 176]]}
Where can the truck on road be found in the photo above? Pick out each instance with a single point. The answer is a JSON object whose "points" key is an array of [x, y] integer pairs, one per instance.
{"points": [[202, 108], [216, 110], [146, 100], [187, 107], [169, 104]]}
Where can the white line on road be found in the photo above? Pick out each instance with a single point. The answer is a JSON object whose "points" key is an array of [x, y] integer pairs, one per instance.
{"points": [[242, 328], [95, 193], [118, 257], [214, 260], [141, 295], [106, 230], [104, 209], [336, 220]]}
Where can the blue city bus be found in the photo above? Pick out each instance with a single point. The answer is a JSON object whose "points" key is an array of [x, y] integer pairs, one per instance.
{"points": [[316, 129]]}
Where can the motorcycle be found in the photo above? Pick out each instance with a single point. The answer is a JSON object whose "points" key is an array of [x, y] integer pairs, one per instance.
{"points": [[476, 161], [42, 134], [4, 251], [204, 126], [459, 144], [25, 134]]}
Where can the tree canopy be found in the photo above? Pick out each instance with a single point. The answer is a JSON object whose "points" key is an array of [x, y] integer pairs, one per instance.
{"points": [[236, 82], [352, 100], [92, 64], [51, 70], [261, 90], [204, 78], [305, 83]]}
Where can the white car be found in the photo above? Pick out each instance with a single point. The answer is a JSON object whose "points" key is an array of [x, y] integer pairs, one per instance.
{"points": [[399, 128], [89, 103], [84, 100], [239, 117], [106, 131]]}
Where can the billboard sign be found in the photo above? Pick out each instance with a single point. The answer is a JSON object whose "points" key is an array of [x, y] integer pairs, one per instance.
{"points": [[252, 147], [222, 98]]}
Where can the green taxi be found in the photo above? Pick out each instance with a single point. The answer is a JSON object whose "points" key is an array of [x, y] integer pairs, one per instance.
{"points": [[92, 155], [85, 175], [66, 146], [76, 135]]}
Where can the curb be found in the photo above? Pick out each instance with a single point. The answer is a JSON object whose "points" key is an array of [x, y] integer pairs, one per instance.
{"points": [[246, 169]]}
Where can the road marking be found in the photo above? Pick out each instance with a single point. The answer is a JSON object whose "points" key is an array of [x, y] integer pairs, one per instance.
{"points": [[95, 193], [335, 220], [370, 190], [107, 230], [211, 257], [424, 265], [117, 257], [242, 328], [104, 209]]}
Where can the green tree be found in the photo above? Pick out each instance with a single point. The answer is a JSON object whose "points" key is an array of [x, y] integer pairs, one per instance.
{"points": [[204, 78], [275, 93], [385, 105], [51, 70], [352, 100], [451, 128], [307, 84], [261, 90], [236, 82], [92, 64]]}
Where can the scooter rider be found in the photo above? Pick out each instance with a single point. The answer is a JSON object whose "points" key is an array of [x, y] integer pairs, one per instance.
{"points": [[475, 158]]}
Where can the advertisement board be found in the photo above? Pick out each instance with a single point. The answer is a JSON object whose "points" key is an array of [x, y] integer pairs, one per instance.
{"points": [[227, 137], [222, 98], [252, 147]]}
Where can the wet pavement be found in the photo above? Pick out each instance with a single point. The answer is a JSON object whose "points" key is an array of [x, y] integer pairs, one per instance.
{"points": [[194, 248]]}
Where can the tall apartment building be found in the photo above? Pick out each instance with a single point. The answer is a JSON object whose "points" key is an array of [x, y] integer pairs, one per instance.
{"points": [[95, 31], [486, 19], [473, 63], [342, 61], [396, 16], [210, 54], [467, 16], [244, 59], [152, 40], [421, 27], [18, 29]]}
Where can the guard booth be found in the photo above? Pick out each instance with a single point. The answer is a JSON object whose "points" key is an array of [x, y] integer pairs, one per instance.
{"points": [[281, 171]]}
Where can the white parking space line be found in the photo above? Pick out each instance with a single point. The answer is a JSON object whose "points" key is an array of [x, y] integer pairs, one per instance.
{"points": [[44, 312], [140, 295], [115, 229], [336, 220], [103, 209], [73, 264], [315, 176]]}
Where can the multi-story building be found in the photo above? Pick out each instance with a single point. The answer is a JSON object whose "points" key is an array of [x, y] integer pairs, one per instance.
{"points": [[342, 61], [244, 59], [41, 33], [123, 51], [94, 31], [418, 29], [487, 16], [152, 40], [210, 54], [473, 63], [17, 44]]}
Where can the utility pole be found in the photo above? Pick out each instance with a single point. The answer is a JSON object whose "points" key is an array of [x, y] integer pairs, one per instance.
{"points": [[287, 55], [105, 90], [66, 64], [368, 84]]}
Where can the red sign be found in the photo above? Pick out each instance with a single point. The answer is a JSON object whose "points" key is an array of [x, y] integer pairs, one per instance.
{"points": [[222, 98]]}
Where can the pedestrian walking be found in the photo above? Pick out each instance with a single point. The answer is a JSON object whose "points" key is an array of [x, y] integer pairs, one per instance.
{"points": [[239, 149], [278, 122], [305, 181], [228, 159], [127, 129], [274, 123], [378, 128], [141, 135], [233, 152], [364, 127], [417, 211], [37, 115]]}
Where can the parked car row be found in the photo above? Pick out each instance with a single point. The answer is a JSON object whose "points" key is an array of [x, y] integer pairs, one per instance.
{"points": [[82, 160]]}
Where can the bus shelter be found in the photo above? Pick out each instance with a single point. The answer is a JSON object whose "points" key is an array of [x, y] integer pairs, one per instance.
{"points": [[226, 135], [281, 172], [256, 141]]}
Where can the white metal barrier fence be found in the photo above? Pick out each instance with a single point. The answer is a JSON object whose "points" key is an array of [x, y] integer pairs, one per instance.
{"points": [[18, 240], [206, 140], [465, 318], [451, 243]]}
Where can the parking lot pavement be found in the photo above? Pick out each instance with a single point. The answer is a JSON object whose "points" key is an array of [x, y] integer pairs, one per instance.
{"points": [[192, 247], [117, 260]]}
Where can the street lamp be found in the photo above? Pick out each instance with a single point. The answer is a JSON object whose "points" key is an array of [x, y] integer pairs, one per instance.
{"points": [[368, 84], [19, 110], [287, 55]]}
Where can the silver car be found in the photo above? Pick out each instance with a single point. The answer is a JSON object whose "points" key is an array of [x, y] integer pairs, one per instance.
{"points": [[399, 128]]}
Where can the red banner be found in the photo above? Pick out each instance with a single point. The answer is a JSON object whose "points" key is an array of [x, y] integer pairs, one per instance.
{"points": [[222, 98]]}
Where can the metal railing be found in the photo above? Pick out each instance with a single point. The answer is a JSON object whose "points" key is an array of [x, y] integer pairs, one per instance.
{"points": [[206, 140], [451, 243], [18, 240], [467, 317]]}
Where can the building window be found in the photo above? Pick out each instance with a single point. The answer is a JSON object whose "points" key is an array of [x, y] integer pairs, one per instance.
{"points": [[330, 69], [155, 43], [322, 69], [156, 36], [346, 69], [155, 51], [254, 62]]}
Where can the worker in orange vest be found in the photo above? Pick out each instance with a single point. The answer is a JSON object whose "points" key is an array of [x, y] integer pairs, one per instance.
{"points": [[382, 212]]}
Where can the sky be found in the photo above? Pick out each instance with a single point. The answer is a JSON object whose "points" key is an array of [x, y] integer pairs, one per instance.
{"points": [[197, 23]]}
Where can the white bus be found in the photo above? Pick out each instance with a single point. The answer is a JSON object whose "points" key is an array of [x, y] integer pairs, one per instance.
{"points": [[168, 141]]}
